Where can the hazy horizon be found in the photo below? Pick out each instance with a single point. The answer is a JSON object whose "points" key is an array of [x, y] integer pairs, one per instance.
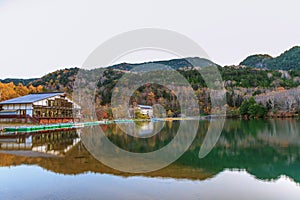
{"points": [[129, 60], [38, 37]]}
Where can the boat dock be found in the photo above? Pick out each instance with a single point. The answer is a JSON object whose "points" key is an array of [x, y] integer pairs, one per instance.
{"points": [[36, 128]]}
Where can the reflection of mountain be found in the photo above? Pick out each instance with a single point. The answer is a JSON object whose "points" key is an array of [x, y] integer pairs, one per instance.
{"points": [[78, 160], [266, 149]]}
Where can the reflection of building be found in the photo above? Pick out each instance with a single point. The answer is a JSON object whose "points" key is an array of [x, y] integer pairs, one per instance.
{"points": [[146, 129], [146, 110], [56, 142], [40, 108]]}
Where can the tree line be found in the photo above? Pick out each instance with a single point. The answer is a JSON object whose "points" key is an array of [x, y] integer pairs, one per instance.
{"points": [[10, 90]]}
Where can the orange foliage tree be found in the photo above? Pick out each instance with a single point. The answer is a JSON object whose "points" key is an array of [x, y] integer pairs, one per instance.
{"points": [[10, 90]]}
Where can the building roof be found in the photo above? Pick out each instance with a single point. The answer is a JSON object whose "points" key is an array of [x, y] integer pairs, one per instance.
{"points": [[31, 98], [145, 107]]}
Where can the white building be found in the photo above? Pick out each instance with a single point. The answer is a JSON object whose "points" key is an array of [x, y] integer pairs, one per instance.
{"points": [[146, 110]]}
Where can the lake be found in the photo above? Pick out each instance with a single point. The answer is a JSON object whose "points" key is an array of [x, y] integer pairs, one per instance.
{"points": [[256, 159]]}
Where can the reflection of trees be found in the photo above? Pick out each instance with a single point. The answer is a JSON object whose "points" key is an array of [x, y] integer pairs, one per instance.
{"points": [[129, 142], [266, 149]]}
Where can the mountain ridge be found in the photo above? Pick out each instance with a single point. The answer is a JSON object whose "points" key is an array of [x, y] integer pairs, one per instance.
{"points": [[241, 82], [174, 63], [288, 60]]}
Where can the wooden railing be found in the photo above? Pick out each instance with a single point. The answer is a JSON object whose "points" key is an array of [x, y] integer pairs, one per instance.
{"points": [[32, 119]]}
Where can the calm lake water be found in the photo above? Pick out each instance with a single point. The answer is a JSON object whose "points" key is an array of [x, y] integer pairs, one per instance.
{"points": [[257, 159]]}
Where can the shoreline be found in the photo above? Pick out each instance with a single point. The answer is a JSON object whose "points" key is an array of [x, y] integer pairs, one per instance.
{"points": [[107, 121]]}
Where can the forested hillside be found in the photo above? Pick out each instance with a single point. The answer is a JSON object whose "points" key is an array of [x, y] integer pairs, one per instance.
{"points": [[258, 76], [289, 60]]}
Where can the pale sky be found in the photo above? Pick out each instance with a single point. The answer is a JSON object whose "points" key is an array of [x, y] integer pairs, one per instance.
{"points": [[39, 36]]}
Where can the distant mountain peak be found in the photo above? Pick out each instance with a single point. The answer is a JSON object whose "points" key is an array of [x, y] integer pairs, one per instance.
{"points": [[17, 81], [174, 63], [289, 60]]}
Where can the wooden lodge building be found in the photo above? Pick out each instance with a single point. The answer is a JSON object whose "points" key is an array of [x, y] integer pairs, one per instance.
{"points": [[43, 108]]}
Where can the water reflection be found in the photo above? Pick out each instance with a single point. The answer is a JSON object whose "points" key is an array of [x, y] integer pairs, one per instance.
{"points": [[266, 149], [56, 143]]}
